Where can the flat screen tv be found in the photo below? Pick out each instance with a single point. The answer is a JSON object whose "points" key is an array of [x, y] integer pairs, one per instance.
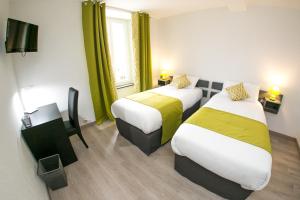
{"points": [[21, 37]]}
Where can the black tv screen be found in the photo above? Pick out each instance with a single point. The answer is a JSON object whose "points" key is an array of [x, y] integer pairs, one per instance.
{"points": [[21, 36]]}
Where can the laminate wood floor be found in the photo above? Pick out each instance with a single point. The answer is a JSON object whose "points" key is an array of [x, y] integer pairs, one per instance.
{"points": [[112, 168]]}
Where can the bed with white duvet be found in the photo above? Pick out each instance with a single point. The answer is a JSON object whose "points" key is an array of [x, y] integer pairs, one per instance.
{"points": [[237, 161], [142, 124], [149, 119]]}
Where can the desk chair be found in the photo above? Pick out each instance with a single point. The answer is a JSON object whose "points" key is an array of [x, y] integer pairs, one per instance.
{"points": [[72, 126]]}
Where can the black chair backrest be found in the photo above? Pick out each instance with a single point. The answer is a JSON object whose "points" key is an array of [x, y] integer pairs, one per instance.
{"points": [[73, 107]]}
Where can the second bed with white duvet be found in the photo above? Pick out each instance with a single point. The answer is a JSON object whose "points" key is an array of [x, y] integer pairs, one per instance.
{"points": [[223, 155]]}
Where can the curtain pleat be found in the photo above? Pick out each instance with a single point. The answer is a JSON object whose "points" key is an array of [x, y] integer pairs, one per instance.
{"points": [[102, 84], [142, 49]]}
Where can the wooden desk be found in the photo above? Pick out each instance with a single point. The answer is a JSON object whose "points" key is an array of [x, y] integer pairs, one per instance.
{"points": [[47, 135]]}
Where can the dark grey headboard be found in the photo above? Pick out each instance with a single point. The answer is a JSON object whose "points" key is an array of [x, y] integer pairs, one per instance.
{"points": [[211, 89], [216, 88], [204, 85]]}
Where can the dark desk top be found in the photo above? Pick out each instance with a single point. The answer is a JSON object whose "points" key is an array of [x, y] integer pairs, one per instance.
{"points": [[48, 136], [44, 114]]}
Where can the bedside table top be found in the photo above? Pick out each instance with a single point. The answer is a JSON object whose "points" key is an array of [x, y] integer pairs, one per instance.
{"points": [[276, 101], [265, 95], [268, 104], [164, 79]]}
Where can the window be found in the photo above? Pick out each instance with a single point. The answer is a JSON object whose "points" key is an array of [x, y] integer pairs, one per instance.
{"points": [[120, 45]]}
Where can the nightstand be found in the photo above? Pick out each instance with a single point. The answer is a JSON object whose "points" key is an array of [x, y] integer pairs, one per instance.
{"points": [[269, 105], [163, 82]]}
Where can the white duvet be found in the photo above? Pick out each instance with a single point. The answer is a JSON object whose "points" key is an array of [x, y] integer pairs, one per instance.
{"points": [[243, 163], [149, 119]]}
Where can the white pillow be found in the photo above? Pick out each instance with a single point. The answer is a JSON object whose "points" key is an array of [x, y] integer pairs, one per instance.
{"points": [[252, 89], [193, 80]]}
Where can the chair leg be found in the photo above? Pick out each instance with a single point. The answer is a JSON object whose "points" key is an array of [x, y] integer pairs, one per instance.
{"points": [[82, 139]]}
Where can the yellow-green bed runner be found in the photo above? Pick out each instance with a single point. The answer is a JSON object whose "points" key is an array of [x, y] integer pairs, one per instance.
{"points": [[234, 126], [169, 107]]}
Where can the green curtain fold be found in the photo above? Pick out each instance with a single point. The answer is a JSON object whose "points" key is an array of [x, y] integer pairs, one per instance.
{"points": [[102, 84], [142, 49]]}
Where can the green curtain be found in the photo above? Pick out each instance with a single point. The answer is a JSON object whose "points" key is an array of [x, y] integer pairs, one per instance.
{"points": [[102, 84], [142, 49]]}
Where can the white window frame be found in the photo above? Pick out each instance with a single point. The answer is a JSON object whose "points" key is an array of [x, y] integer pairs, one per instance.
{"points": [[122, 17]]}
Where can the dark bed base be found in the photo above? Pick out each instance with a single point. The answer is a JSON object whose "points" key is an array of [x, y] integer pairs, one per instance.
{"points": [[209, 180], [148, 143]]}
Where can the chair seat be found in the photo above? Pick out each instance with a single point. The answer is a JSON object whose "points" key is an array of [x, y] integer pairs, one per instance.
{"points": [[70, 128]]}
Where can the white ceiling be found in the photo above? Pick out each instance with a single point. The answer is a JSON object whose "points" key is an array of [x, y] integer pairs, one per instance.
{"points": [[166, 8]]}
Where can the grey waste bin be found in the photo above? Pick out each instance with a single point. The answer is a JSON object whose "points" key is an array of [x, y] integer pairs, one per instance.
{"points": [[51, 170]]}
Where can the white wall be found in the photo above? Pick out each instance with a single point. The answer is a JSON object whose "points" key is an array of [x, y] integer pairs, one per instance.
{"points": [[18, 179], [257, 46], [216, 44], [60, 61]]}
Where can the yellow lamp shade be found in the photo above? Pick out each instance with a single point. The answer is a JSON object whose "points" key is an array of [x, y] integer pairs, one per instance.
{"points": [[164, 74], [274, 92]]}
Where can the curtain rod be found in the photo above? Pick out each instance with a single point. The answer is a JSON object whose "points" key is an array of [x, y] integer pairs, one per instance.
{"points": [[123, 9], [112, 7]]}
